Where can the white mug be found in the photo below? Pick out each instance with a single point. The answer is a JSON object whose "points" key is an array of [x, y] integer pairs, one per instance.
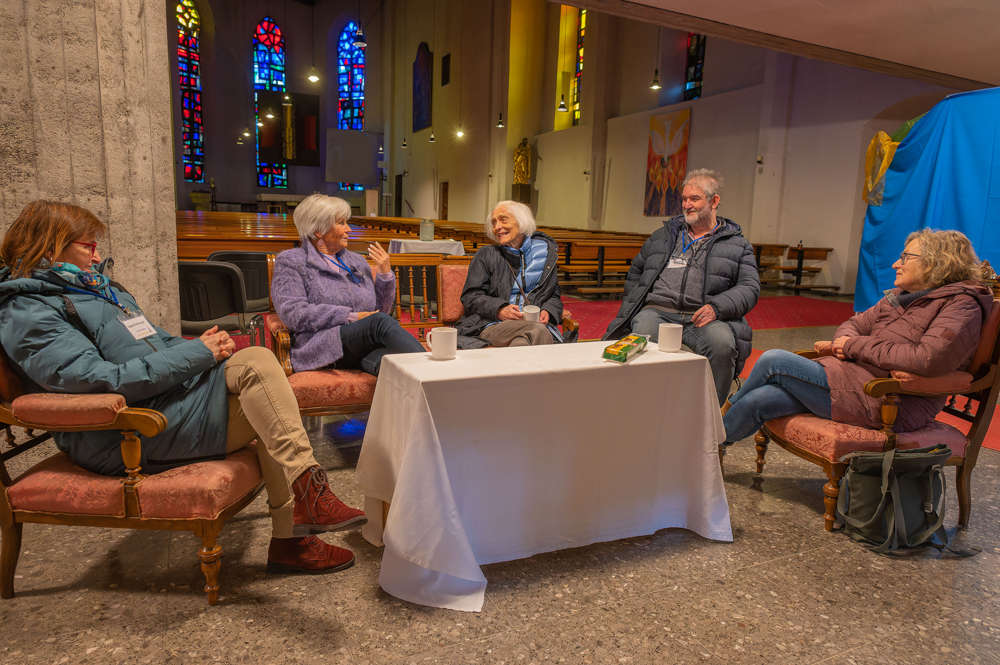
{"points": [[669, 337], [446, 347], [531, 312]]}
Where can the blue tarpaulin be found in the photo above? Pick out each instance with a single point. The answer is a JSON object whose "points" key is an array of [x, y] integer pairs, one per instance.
{"points": [[945, 175]]}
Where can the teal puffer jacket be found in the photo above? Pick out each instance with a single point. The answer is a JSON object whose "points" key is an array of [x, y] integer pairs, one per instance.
{"points": [[178, 377]]}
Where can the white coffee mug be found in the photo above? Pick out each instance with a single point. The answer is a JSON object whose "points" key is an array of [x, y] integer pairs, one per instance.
{"points": [[531, 312], [446, 346], [669, 338]]}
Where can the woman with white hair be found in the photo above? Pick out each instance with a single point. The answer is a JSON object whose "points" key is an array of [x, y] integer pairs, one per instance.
{"points": [[326, 296], [505, 278]]}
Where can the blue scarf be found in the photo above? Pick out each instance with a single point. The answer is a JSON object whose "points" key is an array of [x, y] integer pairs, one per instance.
{"points": [[533, 254], [88, 279]]}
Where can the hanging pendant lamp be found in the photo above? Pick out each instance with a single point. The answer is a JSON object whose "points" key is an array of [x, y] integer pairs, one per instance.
{"points": [[562, 105], [500, 121]]}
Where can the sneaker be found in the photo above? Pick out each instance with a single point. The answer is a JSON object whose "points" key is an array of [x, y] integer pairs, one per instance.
{"points": [[317, 508], [306, 555]]}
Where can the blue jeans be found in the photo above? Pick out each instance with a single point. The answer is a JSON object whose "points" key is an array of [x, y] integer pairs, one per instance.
{"points": [[714, 341], [780, 384], [367, 341]]}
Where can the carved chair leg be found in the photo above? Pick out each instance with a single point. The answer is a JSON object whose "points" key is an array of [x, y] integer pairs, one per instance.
{"points": [[964, 495], [10, 551], [210, 555], [831, 491], [761, 440]]}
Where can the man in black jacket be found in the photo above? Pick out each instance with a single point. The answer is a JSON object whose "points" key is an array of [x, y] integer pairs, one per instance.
{"points": [[699, 271]]}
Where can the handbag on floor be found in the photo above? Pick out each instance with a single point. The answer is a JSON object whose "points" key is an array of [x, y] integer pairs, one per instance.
{"points": [[896, 499]]}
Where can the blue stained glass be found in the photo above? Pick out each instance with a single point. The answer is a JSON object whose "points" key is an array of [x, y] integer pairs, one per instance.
{"points": [[189, 77], [351, 82]]}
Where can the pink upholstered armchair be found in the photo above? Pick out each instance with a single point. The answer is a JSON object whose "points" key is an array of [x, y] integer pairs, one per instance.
{"points": [[197, 498], [825, 442]]}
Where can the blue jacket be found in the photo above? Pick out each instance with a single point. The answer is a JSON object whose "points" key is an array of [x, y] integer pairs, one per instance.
{"points": [[732, 284], [178, 377]]}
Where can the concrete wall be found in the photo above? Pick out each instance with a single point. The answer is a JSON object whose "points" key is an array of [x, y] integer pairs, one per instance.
{"points": [[85, 118]]}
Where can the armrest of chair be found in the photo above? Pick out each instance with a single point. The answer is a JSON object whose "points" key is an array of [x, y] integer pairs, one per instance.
{"points": [[281, 341], [905, 383], [809, 354], [568, 323]]}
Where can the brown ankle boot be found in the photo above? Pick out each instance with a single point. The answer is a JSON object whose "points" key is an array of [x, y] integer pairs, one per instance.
{"points": [[317, 508], [726, 405], [306, 555]]}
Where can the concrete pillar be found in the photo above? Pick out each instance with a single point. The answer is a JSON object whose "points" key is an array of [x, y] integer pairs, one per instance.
{"points": [[85, 118]]}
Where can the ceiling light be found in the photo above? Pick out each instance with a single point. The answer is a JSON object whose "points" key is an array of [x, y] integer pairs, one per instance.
{"points": [[239, 141], [313, 75], [246, 131], [381, 151], [287, 101], [500, 121], [460, 133], [269, 113], [404, 143], [359, 38], [260, 123], [562, 104], [432, 137], [655, 85]]}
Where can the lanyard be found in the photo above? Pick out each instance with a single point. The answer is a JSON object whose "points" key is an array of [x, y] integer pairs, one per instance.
{"points": [[113, 299], [343, 266]]}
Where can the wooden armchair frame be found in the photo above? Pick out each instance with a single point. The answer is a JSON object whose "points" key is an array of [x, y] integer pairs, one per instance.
{"points": [[984, 390], [129, 421]]}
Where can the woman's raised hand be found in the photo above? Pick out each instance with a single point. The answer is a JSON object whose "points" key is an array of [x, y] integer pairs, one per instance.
{"points": [[380, 256], [218, 342]]}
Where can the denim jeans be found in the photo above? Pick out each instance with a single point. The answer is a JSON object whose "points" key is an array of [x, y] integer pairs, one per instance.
{"points": [[365, 342], [780, 384], [714, 341]]}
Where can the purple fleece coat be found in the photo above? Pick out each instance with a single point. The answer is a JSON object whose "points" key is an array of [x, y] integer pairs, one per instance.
{"points": [[936, 334], [313, 299]]}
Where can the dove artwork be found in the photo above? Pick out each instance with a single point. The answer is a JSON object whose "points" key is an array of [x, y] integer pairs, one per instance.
{"points": [[666, 163]]}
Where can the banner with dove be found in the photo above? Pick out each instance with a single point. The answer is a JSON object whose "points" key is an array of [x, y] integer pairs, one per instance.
{"points": [[666, 163]]}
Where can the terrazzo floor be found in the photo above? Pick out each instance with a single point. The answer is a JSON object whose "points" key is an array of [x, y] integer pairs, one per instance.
{"points": [[784, 591]]}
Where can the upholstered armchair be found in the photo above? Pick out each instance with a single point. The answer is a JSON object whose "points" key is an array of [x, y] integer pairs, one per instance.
{"points": [[198, 497], [825, 442]]}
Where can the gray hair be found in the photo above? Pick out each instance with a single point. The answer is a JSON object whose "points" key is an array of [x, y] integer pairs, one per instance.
{"points": [[318, 212], [708, 180], [521, 214]]}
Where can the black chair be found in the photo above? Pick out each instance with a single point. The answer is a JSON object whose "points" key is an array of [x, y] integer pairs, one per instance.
{"points": [[212, 294], [254, 268]]}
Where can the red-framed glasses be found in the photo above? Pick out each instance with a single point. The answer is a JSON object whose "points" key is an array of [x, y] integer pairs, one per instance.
{"points": [[91, 245]]}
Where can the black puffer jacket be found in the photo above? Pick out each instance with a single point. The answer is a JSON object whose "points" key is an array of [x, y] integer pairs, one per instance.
{"points": [[732, 284], [490, 281]]}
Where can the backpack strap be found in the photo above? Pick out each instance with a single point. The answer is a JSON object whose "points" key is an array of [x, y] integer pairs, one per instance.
{"points": [[77, 321]]}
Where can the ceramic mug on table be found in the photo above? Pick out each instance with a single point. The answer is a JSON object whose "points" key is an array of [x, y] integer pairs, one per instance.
{"points": [[446, 346], [531, 312], [670, 336]]}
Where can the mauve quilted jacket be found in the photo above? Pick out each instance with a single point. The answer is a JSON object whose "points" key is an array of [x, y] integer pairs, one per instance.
{"points": [[936, 334], [314, 300]]}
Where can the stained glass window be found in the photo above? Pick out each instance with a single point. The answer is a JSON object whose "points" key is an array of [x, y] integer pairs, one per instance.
{"points": [[581, 31], [695, 64], [351, 81], [189, 74], [268, 74]]}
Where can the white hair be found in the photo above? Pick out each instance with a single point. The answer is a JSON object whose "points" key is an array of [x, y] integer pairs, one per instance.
{"points": [[317, 213], [706, 180], [521, 214]]}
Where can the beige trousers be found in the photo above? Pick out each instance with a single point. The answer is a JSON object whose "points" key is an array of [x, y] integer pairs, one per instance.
{"points": [[263, 407]]}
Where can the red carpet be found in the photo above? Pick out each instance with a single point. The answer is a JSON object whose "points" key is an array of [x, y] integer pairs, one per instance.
{"points": [[770, 312]]}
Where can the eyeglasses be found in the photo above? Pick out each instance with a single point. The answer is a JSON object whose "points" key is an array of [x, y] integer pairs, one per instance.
{"points": [[91, 245], [904, 256]]}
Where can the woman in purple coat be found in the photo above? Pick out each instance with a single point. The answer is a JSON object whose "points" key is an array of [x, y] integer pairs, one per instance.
{"points": [[325, 294], [929, 325]]}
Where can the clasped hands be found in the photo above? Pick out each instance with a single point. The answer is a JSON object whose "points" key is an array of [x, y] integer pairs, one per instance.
{"points": [[514, 313], [218, 342], [834, 348]]}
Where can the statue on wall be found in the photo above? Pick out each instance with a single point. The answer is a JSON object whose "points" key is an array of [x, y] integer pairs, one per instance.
{"points": [[522, 163]]}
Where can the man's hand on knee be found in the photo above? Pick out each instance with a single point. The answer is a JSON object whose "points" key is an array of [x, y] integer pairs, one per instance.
{"points": [[704, 316]]}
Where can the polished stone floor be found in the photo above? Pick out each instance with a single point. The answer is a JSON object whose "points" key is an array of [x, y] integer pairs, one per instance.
{"points": [[784, 591]]}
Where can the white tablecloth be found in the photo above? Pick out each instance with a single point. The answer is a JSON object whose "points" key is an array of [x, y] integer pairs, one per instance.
{"points": [[405, 246], [504, 453]]}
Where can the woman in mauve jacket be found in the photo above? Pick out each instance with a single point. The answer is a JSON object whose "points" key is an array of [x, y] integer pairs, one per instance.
{"points": [[929, 325]]}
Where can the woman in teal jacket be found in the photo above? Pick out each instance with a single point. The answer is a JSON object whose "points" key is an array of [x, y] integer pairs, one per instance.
{"points": [[68, 329]]}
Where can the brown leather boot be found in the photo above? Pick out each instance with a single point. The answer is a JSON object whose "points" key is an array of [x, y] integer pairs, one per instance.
{"points": [[317, 508], [726, 405], [306, 555]]}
